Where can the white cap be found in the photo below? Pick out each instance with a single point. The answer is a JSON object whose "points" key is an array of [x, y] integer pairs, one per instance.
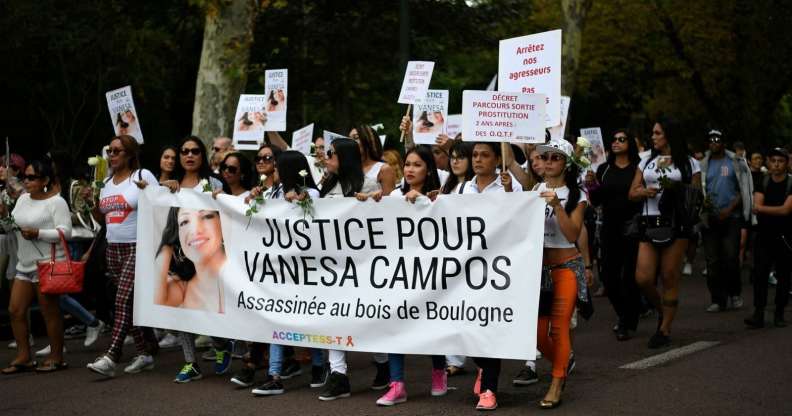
{"points": [[556, 146]]}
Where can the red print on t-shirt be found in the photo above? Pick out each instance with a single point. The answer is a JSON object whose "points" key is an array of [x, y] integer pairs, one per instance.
{"points": [[116, 209]]}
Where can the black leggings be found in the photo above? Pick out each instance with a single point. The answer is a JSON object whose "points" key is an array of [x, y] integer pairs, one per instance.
{"points": [[490, 371], [771, 250], [619, 257]]}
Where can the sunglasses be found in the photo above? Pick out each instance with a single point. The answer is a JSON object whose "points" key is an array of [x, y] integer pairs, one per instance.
{"points": [[329, 153], [555, 157], [31, 177], [194, 150], [714, 139], [620, 139], [114, 151], [230, 169], [267, 158]]}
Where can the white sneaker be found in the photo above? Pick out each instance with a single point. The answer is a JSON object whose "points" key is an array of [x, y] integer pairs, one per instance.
{"points": [[46, 351], [13, 344], [714, 308], [92, 333], [737, 302], [169, 341], [202, 341], [687, 269], [772, 279], [129, 340], [140, 363], [704, 272], [103, 365]]}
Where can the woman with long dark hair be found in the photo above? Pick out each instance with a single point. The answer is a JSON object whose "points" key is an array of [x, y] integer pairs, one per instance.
{"points": [[664, 239], [193, 169], [167, 162], [371, 157], [610, 188], [461, 168], [237, 173]]}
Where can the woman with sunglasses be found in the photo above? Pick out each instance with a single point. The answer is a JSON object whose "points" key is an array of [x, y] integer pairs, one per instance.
{"points": [[666, 166], [371, 157], [117, 207], [40, 216], [237, 173], [609, 188], [563, 277], [265, 160], [420, 179], [193, 167]]}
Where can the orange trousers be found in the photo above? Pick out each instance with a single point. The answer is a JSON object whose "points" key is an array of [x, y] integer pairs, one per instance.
{"points": [[553, 330]]}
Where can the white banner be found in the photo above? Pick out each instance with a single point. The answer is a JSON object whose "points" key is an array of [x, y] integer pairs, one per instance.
{"points": [[594, 136], [276, 89], [355, 277], [123, 113], [502, 117], [429, 117], [302, 139], [532, 65], [416, 81], [454, 125], [251, 114]]}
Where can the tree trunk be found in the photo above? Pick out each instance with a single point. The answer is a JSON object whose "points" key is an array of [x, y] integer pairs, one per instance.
{"points": [[222, 75], [574, 12]]}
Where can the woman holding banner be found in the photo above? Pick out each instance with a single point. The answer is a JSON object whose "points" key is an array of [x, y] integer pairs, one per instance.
{"points": [[420, 180], [371, 157], [117, 207], [461, 168], [563, 278], [663, 239]]}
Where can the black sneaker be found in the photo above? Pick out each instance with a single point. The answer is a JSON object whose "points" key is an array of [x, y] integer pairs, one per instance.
{"points": [[271, 387], [659, 340], [756, 320], [244, 378], [337, 387], [318, 376], [525, 377], [382, 379], [291, 368], [622, 333]]}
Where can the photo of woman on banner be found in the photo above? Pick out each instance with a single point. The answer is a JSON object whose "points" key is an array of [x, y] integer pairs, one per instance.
{"points": [[191, 255], [244, 123], [276, 100], [122, 127]]}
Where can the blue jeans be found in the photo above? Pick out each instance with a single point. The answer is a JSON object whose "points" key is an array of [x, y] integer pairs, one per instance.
{"points": [[396, 365], [276, 359], [70, 305]]}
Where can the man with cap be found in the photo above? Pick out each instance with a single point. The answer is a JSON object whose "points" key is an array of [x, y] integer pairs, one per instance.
{"points": [[728, 187], [773, 209]]}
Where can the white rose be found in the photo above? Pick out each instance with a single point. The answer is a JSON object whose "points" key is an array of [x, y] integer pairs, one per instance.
{"points": [[303, 173], [583, 142], [203, 182], [93, 161], [263, 178], [585, 161]]}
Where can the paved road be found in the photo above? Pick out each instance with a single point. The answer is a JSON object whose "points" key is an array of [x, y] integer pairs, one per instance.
{"points": [[747, 372]]}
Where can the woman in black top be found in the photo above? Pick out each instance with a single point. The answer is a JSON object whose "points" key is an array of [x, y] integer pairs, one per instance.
{"points": [[609, 189]]}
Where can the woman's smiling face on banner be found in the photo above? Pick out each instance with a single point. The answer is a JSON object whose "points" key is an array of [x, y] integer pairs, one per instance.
{"points": [[200, 233]]}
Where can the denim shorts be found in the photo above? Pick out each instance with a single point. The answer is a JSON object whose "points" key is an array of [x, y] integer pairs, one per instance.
{"points": [[31, 276]]}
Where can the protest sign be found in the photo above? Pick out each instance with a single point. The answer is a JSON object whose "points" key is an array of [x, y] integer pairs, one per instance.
{"points": [[251, 115], [302, 139], [276, 89], [123, 114], [429, 117], [594, 136], [503, 117], [493, 83], [557, 132], [454, 125], [329, 136], [355, 276], [416, 81], [532, 65]]}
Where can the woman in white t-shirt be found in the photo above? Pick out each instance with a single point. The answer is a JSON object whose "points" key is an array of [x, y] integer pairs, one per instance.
{"points": [[665, 167], [193, 170], [371, 157], [117, 207], [38, 217]]}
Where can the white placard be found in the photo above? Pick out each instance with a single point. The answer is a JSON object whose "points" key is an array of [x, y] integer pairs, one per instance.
{"points": [[249, 121], [276, 89], [123, 114], [532, 65], [594, 136], [454, 125], [489, 116], [329, 136], [557, 132], [416, 81], [429, 117], [382, 138], [493, 83], [355, 276], [302, 139]]}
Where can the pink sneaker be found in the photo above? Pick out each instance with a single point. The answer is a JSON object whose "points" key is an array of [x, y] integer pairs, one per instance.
{"points": [[439, 382], [487, 401], [477, 384], [396, 394]]}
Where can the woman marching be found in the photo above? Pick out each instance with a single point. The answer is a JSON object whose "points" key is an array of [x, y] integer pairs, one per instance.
{"points": [[664, 237], [371, 158], [117, 207]]}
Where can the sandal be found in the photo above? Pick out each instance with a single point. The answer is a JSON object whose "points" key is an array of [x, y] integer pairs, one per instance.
{"points": [[15, 368], [50, 366]]}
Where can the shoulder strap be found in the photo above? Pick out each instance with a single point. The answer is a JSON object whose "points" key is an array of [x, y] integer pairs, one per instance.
{"points": [[462, 187]]}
